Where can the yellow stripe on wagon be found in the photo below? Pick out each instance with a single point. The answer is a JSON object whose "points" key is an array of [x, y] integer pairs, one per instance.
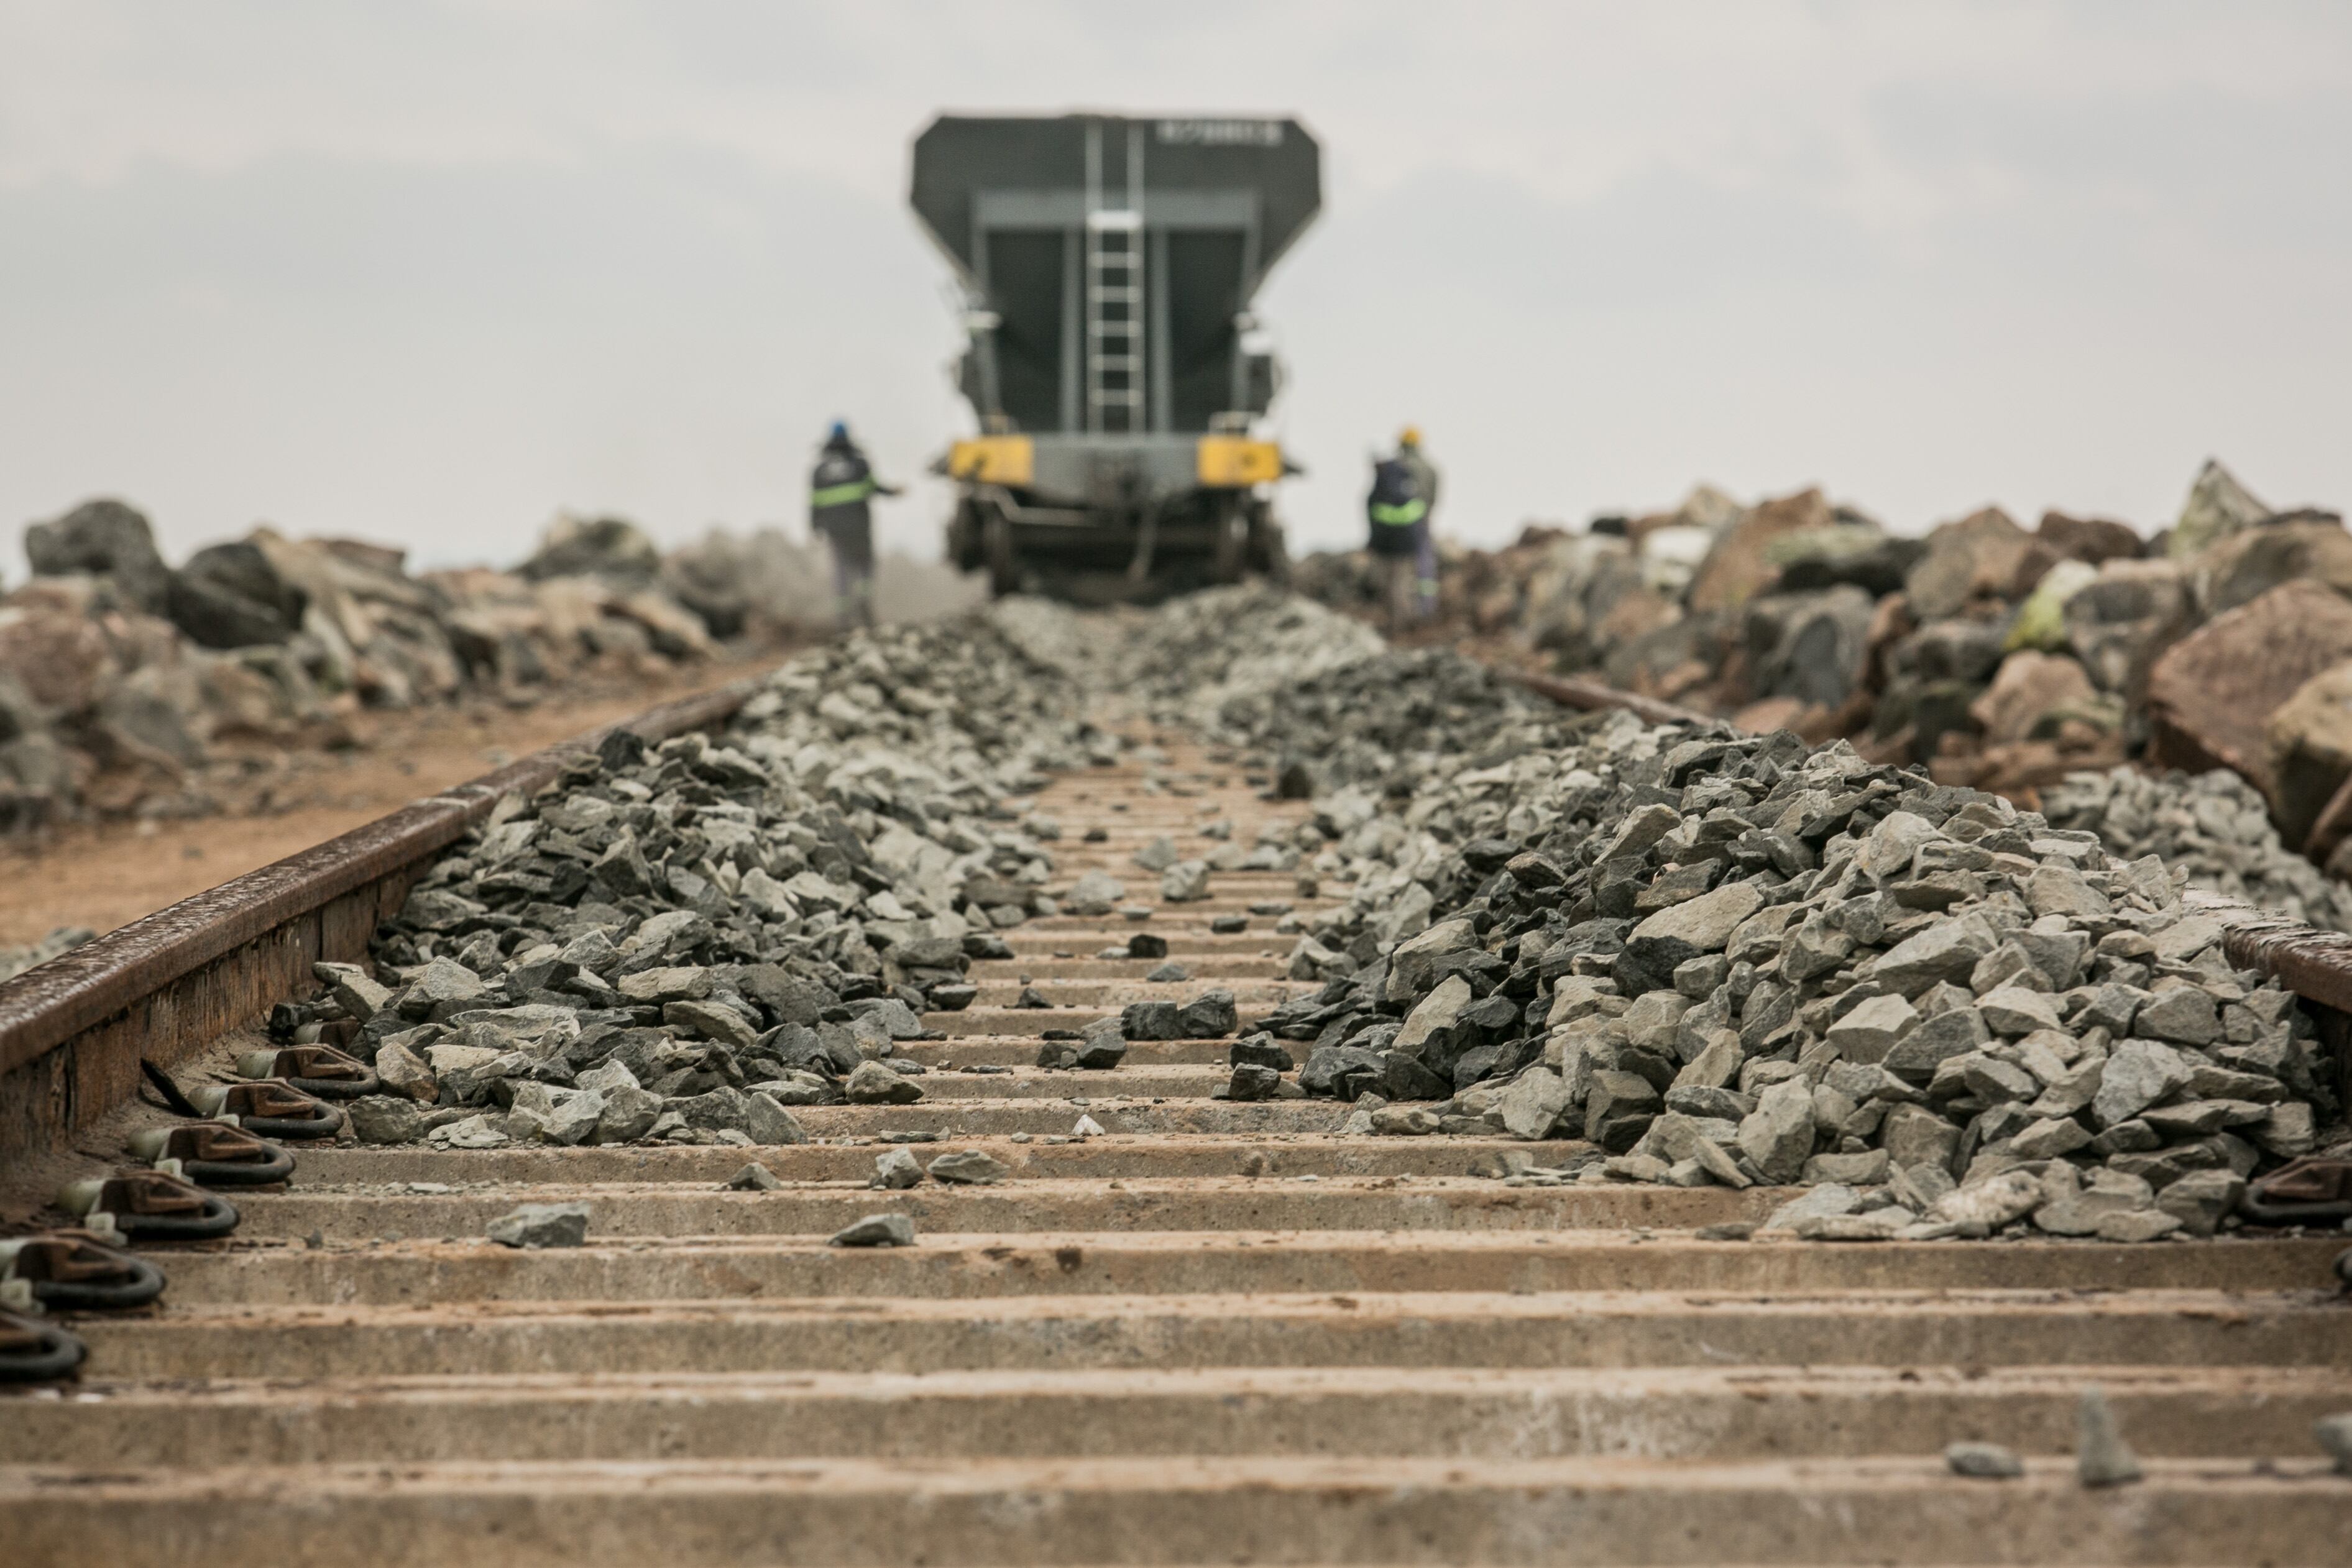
{"points": [[993, 460], [1235, 462]]}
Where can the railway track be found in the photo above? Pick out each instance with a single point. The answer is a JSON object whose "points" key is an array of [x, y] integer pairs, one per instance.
{"points": [[1214, 1331]]}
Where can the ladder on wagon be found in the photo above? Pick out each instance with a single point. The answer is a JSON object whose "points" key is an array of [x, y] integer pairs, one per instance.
{"points": [[1114, 293]]}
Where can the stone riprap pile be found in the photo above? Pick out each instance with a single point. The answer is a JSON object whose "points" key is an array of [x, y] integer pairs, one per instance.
{"points": [[680, 943], [1189, 659], [1723, 959], [1993, 654], [1694, 957], [1389, 723], [2214, 825], [129, 686]]}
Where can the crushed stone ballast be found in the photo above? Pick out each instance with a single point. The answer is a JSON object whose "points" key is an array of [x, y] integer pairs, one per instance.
{"points": [[1195, 1084]]}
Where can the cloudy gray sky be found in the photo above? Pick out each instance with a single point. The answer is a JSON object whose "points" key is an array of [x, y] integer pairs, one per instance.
{"points": [[428, 272]]}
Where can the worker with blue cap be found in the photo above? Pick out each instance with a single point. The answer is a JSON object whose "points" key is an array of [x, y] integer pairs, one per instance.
{"points": [[839, 490]]}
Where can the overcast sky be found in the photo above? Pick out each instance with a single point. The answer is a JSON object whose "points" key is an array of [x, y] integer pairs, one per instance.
{"points": [[429, 272]]}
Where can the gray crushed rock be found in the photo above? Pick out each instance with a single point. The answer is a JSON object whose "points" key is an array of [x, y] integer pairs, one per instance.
{"points": [[876, 1230], [681, 943], [2102, 1457], [2334, 1434], [543, 1224], [1729, 959], [969, 1167], [1697, 957], [897, 1170], [2215, 826], [1983, 1461]]}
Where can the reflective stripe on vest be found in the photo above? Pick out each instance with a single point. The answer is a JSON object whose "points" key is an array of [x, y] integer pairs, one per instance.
{"points": [[1402, 516], [842, 495]]}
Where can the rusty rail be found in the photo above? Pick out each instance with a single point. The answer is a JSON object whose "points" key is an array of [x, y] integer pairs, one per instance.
{"points": [[72, 1029], [2315, 965], [1590, 695]]}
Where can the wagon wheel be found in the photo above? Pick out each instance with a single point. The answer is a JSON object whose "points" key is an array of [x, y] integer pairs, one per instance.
{"points": [[1229, 540], [1004, 569]]}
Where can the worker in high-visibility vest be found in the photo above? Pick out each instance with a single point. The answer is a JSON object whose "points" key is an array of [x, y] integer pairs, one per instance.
{"points": [[839, 490], [1405, 493]]}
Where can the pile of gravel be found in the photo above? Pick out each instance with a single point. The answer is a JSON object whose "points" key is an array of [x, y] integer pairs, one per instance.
{"points": [[1725, 959], [1697, 956], [1189, 659], [2214, 825], [1394, 722], [682, 943]]}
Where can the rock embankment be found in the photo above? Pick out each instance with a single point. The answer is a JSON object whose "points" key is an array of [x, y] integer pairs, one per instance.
{"points": [[1992, 655], [132, 687]]}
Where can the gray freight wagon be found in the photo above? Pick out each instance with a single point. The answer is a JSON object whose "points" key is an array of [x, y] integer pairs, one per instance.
{"points": [[1107, 264]]}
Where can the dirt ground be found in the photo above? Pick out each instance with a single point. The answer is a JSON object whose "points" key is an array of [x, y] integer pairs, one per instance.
{"points": [[102, 876]]}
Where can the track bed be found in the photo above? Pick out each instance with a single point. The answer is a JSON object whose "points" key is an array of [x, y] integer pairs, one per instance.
{"points": [[1216, 1332]]}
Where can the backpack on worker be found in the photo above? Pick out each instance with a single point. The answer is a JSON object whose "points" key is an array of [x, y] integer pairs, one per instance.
{"points": [[1395, 505]]}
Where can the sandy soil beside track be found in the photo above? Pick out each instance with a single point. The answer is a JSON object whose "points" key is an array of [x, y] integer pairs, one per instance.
{"points": [[104, 875]]}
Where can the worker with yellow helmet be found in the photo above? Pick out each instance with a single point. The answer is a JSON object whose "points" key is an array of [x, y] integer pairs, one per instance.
{"points": [[1405, 493]]}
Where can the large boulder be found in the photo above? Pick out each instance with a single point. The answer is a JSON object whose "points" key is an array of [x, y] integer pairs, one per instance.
{"points": [[1671, 555], [1705, 510], [612, 548], [40, 780], [156, 713], [1951, 650], [2032, 695], [1859, 554], [2218, 507], [2091, 540], [1739, 566], [2210, 694], [2308, 751], [2040, 620], [106, 539], [674, 632], [757, 585], [20, 715], [1932, 675], [2251, 562], [60, 660], [1670, 659], [1807, 646], [1984, 558], [2039, 721], [2121, 622], [1576, 583], [231, 596]]}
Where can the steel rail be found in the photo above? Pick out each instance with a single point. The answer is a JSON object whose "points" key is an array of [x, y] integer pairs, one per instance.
{"points": [[2315, 965], [72, 1031]]}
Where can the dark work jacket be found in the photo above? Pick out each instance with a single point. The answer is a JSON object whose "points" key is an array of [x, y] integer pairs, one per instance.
{"points": [[839, 489], [1403, 487]]}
